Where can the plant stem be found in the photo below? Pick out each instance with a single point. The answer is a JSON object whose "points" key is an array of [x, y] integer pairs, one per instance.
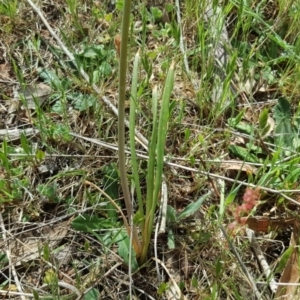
{"points": [[121, 125]]}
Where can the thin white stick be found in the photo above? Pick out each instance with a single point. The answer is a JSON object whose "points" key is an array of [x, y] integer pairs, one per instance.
{"points": [[161, 224], [173, 158], [178, 291], [281, 283], [11, 293], [278, 192], [11, 266], [162, 221], [159, 278], [66, 285], [261, 260], [164, 204]]}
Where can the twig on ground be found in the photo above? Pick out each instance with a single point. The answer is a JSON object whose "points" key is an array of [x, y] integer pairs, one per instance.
{"points": [[261, 260], [113, 202], [67, 286], [178, 291], [163, 207], [7, 251], [161, 224], [159, 278], [12, 293], [277, 192]]}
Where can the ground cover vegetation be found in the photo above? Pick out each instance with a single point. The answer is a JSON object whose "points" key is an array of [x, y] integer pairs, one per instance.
{"points": [[149, 150]]}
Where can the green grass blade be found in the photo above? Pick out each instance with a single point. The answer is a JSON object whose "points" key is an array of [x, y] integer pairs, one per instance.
{"points": [[162, 130], [121, 120], [132, 117], [193, 207], [152, 154], [154, 180]]}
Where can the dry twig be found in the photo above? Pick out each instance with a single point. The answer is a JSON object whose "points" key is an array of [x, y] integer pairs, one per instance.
{"points": [[11, 265], [261, 260]]}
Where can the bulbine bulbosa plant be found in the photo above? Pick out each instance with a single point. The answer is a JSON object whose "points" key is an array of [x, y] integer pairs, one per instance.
{"points": [[144, 217]]}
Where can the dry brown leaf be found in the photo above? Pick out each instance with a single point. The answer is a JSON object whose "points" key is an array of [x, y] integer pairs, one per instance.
{"points": [[15, 133], [265, 224], [185, 265], [117, 42], [271, 123], [4, 72], [239, 165], [32, 95], [291, 272]]}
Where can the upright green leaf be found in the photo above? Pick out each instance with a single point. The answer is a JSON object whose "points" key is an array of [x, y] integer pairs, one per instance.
{"points": [[263, 118], [134, 160], [193, 207], [154, 180], [125, 250], [162, 129], [284, 259], [282, 110], [93, 294], [88, 223], [283, 130], [111, 184]]}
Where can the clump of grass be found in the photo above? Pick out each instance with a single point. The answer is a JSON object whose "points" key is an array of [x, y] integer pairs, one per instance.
{"points": [[156, 146]]}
